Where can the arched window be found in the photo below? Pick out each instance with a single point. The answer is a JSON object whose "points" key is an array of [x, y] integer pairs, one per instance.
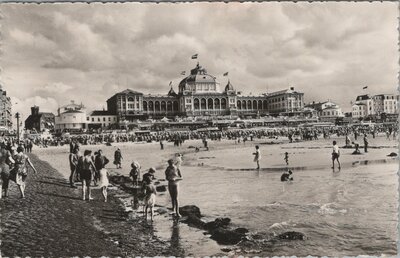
{"points": [[130, 99], [203, 104], [210, 104], [249, 104], [151, 106], [239, 105], [244, 104], [169, 106], [223, 103], [265, 105], [145, 105], [260, 104], [217, 104], [163, 106], [254, 104], [176, 106], [196, 104], [157, 106]]}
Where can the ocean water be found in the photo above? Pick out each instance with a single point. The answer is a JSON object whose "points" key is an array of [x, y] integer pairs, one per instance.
{"points": [[351, 212]]}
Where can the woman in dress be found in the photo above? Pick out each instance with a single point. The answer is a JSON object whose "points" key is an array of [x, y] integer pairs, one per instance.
{"points": [[103, 182], [87, 170], [20, 169]]}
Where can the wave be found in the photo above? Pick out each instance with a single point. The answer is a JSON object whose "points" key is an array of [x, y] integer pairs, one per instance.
{"points": [[330, 209]]}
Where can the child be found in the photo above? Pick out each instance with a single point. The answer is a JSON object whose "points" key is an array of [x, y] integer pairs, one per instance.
{"points": [[286, 158], [103, 182], [257, 156], [287, 176], [149, 192], [135, 173]]}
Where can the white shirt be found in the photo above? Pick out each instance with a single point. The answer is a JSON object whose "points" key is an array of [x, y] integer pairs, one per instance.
{"points": [[335, 149]]}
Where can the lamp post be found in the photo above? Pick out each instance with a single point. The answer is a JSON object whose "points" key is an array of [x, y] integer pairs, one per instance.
{"points": [[17, 116]]}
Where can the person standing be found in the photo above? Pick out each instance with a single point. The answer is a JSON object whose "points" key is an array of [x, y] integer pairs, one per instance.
{"points": [[73, 165], [5, 161], [257, 156], [335, 155], [173, 176], [135, 173], [365, 143], [100, 161], [86, 172], [118, 158], [20, 169]]}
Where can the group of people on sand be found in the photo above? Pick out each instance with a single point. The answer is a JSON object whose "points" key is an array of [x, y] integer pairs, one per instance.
{"points": [[88, 168], [172, 175], [13, 166]]}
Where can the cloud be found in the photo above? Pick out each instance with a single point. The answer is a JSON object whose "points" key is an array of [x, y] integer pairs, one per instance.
{"points": [[89, 52]]}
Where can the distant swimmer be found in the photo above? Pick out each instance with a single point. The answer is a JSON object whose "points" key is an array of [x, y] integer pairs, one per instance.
{"points": [[335, 155], [287, 176], [257, 156], [286, 158]]}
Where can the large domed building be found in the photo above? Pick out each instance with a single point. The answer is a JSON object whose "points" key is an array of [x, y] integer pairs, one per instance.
{"points": [[199, 94]]}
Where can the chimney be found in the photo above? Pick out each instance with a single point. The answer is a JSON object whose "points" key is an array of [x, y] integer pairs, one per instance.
{"points": [[35, 110]]}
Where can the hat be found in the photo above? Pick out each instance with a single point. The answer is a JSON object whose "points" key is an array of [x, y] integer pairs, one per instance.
{"points": [[152, 170], [135, 164]]}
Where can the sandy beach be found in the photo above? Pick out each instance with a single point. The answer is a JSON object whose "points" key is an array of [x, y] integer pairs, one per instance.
{"points": [[223, 182]]}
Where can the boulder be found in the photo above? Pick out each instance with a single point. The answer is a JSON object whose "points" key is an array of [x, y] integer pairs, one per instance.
{"points": [[292, 235], [242, 230], [194, 221], [190, 210], [161, 188], [162, 210], [392, 154], [217, 223], [226, 236]]}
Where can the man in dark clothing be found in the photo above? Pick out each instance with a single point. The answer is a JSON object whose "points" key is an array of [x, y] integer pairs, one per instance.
{"points": [[5, 162], [365, 143]]}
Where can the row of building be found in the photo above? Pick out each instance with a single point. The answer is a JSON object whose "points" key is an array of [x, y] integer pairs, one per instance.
{"points": [[5, 111], [199, 96]]}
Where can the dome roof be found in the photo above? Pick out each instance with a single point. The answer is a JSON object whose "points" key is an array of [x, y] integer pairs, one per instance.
{"points": [[229, 86], [197, 75]]}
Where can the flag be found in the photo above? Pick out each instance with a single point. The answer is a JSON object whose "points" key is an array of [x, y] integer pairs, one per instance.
{"points": [[364, 88], [183, 72], [194, 56], [226, 74]]}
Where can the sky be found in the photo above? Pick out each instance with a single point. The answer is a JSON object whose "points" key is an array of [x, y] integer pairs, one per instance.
{"points": [[54, 53]]}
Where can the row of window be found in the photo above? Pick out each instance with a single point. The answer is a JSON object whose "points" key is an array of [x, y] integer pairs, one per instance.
{"points": [[104, 119]]}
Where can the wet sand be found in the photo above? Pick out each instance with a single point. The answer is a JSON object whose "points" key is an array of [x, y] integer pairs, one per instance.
{"points": [[228, 167]]}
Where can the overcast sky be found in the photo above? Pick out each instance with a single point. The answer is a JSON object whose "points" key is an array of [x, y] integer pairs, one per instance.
{"points": [[54, 53]]}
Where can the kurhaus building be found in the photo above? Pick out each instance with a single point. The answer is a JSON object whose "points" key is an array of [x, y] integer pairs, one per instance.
{"points": [[199, 94]]}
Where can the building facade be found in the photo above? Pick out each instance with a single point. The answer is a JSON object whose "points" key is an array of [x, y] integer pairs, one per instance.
{"points": [[39, 121], [199, 94], [100, 119], [71, 118], [375, 106], [5, 111], [327, 111]]}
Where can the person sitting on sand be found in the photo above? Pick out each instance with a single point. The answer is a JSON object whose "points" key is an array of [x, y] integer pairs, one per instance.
{"points": [[335, 155], [135, 172], [257, 156], [173, 176], [356, 146], [287, 176]]}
